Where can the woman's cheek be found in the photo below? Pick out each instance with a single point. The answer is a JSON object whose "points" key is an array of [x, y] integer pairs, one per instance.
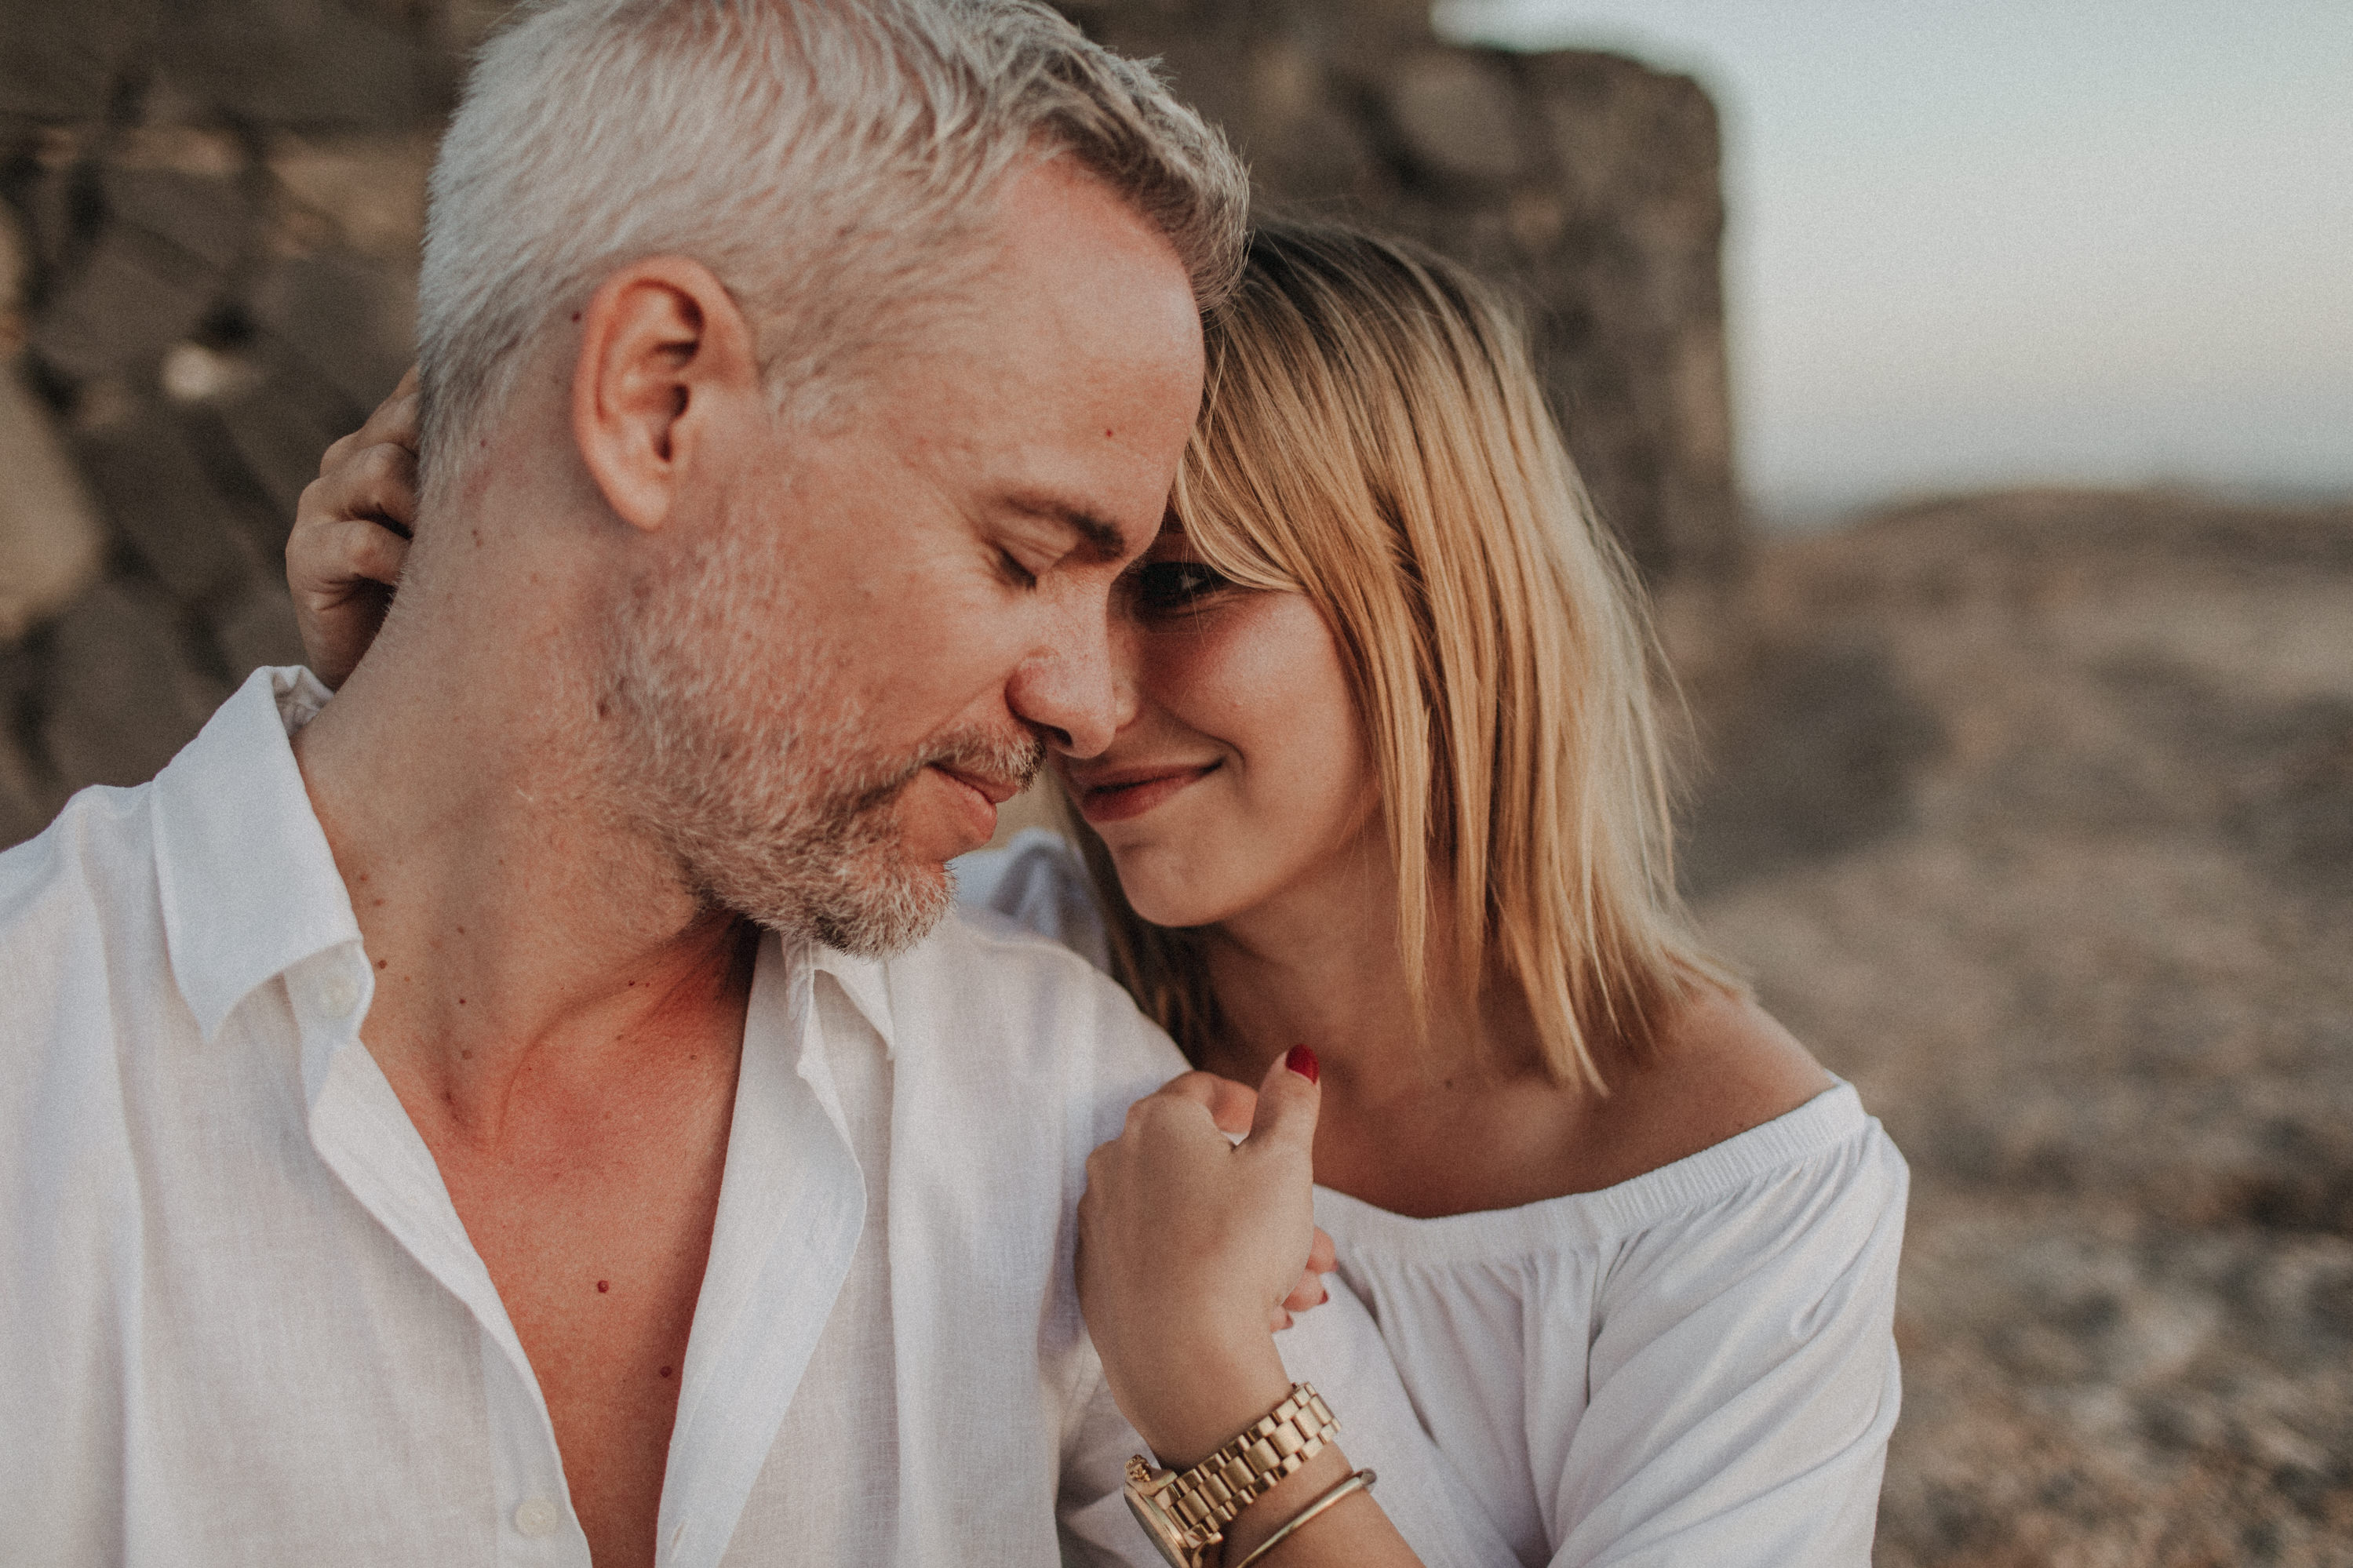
{"points": [[1259, 678], [1186, 667]]}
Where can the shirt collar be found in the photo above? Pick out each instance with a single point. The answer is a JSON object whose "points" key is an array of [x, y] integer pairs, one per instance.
{"points": [[865, 981], [249, 888]]}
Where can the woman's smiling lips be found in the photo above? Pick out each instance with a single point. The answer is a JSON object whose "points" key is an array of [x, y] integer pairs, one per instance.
{"points": [[1122, 793]]}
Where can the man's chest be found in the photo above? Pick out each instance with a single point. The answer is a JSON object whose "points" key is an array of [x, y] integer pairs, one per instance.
{"points": [[596, 1238], [297, 1335]]}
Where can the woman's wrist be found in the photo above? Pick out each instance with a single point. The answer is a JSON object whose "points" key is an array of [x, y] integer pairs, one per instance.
{"points": [[1196, 1398], [1282, 1502]]}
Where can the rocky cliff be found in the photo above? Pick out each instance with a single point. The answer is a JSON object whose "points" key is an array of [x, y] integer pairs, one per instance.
{"points": [[209, 213]]}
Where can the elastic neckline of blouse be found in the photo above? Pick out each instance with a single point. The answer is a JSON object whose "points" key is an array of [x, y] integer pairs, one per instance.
{"points": [[1593, 1219]]}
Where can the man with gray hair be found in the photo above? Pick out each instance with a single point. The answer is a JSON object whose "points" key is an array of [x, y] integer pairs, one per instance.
{"points": [[498, 1115]]}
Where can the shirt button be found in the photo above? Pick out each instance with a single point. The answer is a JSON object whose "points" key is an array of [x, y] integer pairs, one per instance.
{"points": [[536, 1517], [339, 994]]}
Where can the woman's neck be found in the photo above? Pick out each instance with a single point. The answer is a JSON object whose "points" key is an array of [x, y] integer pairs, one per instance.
{"points": [[1318, 965], [1460, 1115]]}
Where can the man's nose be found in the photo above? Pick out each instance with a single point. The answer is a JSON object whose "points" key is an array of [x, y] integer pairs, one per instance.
{"points": [[1075, 689]]}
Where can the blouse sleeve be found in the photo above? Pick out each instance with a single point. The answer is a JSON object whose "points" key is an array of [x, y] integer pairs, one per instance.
{"points": [[1742, 1381], [1337, 1347]]}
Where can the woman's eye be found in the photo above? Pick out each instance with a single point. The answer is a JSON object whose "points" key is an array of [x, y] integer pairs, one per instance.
{"points": [[1172, 584]]}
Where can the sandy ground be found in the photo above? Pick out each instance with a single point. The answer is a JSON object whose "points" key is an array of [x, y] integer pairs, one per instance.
{"points": [[2033, 815]]}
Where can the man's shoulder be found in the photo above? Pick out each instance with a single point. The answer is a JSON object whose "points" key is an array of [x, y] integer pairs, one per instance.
{"points": [[977, 933], [1018, 976], [79, 912], [80, 871], [109, 856], [992, 987]]}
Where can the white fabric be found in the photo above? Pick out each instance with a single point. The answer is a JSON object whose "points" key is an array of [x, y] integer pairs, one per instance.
{"points": [[240, 1322], [1039, 884], [1695, 1366]]}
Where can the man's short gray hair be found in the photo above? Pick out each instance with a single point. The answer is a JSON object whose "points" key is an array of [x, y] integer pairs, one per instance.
{"points": [[831, 160]]}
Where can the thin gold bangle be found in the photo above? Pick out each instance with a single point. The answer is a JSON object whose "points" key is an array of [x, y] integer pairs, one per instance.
{"points": [[1362, 1481]]}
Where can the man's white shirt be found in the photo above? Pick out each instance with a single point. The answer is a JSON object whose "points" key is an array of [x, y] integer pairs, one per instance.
{"points": [[240, 1322]]}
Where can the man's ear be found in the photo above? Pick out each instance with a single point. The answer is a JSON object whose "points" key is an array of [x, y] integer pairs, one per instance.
{"points": [[664, 354]]}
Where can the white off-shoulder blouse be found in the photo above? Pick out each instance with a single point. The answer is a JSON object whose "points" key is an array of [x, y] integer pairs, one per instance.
{"points": [[1696, 1366]]}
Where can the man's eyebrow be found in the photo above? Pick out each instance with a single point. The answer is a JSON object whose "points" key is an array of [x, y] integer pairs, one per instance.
{"points": [[1103, 540]]}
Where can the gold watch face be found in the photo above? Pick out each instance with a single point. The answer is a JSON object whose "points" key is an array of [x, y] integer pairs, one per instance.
{"points": [[1161, 1531], [1164, 1532]]}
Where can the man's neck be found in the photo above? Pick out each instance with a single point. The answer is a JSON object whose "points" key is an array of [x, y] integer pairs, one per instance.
{"points": [[516, 922], [561, 1018]]}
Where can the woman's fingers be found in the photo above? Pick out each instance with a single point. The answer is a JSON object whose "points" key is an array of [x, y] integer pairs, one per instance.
{"points": [[393, 422], [350, 538], [1309, 1292], [1284, 1112], [377, 481], [1230, 1104], [351, 533], [339, 619], [1288, 1101], [1312, 1290], [340, 571], [340, 555]]}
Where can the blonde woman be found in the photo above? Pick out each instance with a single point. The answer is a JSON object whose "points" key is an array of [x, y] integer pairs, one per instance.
{"points": [[1388, 806]]}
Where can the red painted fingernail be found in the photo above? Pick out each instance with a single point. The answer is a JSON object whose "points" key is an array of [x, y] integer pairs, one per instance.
{"points": [[1302, 1061], [1326, 1297]]}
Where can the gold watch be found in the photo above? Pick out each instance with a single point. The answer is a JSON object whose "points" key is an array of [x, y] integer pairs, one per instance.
{"points": [[1186, 1514]]}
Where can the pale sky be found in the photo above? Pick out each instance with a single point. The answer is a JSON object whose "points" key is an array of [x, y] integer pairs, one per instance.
{"points": [[1996, 241]]}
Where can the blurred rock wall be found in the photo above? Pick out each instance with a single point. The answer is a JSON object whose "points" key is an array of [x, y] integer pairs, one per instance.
{"points": [[1586, 183], [209, 215]]}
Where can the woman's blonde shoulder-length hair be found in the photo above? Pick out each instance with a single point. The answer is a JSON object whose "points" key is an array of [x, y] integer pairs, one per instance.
{"points": [[1374, 436]]}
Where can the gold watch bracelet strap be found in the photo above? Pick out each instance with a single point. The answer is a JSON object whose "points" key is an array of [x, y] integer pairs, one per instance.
{"points": [[1362, 1481], [1207, 1496]]}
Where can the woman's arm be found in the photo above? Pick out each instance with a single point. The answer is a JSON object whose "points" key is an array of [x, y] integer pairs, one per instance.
{"points": [[1188, 1242], [351, 535]]}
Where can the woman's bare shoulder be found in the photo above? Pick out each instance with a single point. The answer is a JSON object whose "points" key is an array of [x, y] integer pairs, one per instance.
{"points": [[1722, 1065], [1722, 1045]]}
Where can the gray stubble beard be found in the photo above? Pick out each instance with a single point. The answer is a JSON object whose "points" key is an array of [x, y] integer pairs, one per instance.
{"points": [[755, 781]]}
